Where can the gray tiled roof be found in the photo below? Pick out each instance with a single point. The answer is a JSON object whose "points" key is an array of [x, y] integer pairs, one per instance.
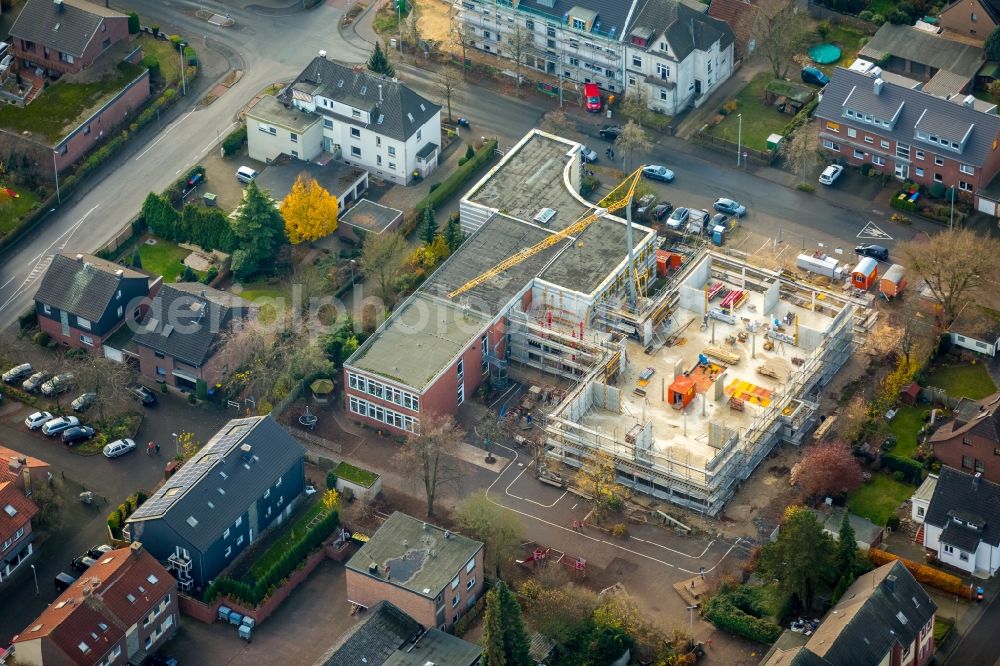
{"points": [[685, 28], [69, 29], [84, 286], [942, 123], [194, 490], [908, 43], [402, 110], [186, 319], [436, 647], [960, 536], [373, 640], [978, 500], [860, 88], [612, 14]]}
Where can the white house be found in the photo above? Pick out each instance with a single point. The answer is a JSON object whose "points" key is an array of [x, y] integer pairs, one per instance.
{"points": [[963, 522], [678, 54], [921, 499], [976, 328], [353, 115]]}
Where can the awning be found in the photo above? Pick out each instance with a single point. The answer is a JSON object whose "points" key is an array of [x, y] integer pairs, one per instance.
{"points": [[185, 376], [428, 150]]}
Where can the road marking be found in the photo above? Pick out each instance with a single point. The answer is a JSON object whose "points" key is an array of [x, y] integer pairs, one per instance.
{"points": [[6, 283], [872, 232], [218, 141], [544, 506], [573, 508], [163, 135]]}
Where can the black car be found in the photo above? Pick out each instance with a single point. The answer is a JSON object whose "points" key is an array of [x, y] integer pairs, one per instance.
{"points": [[82, 563], [874, 251], [611, 132], [143, 395], [97, 552], [644, 204], [662, 210], [77, 434]]}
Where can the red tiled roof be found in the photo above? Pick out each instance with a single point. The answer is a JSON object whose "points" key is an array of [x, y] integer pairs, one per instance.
{"points": [[101, 597], [24, 509], [739, 15]]}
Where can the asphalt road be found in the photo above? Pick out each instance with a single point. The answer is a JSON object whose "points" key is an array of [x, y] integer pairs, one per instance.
{"points": [[979, 645]]}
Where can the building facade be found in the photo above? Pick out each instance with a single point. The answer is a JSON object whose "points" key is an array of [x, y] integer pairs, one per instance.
{"points": [[248, 477], [970, 441], [430, 573], [16, 536], [971, 18], [961, 526], [910, 135]]}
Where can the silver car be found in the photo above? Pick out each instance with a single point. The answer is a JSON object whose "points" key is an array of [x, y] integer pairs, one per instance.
{"points": [[58, 384], [119, 447], [17, 372], [35, 381]]}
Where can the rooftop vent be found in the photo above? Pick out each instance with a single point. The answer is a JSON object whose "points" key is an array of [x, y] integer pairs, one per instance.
{"points": [[878, 85], [448, 534], [79, 257], [545, 215], [322, 54], [119, 272], [969, 101]]}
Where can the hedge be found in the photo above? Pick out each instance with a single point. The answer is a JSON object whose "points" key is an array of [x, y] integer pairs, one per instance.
{"points": [[911, 469], [450, 185], [903, 204], [724, 614], [924, 574], [252, 594], [116, 519], [234, 141]]}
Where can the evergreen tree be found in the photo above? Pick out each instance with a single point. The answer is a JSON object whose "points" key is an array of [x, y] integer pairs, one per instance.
{"points": [[259, 231], [992, 46], [379, 62], [453, 233], [136, 259], [505, 643], [429, 227], [802, 558], [847, 550]]}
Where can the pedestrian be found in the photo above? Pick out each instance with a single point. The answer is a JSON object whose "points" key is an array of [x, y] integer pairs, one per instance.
{"points": [[576, 525], [612, 152], [149, 449], [709, 642], [157, 448]]}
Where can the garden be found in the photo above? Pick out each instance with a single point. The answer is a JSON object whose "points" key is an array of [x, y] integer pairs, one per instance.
{"points": [[759, 121], [933, 202]]}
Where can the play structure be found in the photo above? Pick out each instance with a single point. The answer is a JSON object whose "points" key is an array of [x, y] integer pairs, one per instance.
{"points": [[537, 554]]}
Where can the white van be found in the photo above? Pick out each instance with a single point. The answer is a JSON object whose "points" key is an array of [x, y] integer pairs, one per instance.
{"points": [[245, 174]]}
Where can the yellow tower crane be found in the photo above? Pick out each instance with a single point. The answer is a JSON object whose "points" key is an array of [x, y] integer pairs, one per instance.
{"points": [[614, 201]]}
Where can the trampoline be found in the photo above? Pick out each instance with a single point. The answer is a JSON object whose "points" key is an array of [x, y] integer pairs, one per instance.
{"points": [[825, 54]]}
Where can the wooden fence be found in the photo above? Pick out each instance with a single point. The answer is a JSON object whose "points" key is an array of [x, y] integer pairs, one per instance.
{"points": [[758, 157]]}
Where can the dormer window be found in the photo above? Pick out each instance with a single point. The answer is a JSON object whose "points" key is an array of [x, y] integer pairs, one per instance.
{"points": [[579, 24]]}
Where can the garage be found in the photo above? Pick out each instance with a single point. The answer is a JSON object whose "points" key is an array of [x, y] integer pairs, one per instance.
{"points": [[987, 206]]}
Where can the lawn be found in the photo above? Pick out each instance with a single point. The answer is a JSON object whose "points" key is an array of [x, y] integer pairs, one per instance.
{"points": [[60, 107], [905, 425], [879, 498], [13, 210], [941, 629], [386, 19], [969, 380], [349, 472], [283, 544], [166, 54], [759, 119], [255, 290], [850, 42], [164, 259]]}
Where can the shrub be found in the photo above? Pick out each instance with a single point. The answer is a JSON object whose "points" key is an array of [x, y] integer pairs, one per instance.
{"points": [[937, 191], [903, 204], [331, 480], [41, 338], [462, 160], [899, 476], [210, 274], [134, 28], [823, 29], [893, 523], [234, 141], [866, 169], [805, 187], [588, 184], [152, 63], [28, 319], [912, 470], [450, 185], [619, 530], [721, 612], [470, 152], [924, 574], [866, 15], [155, 29]]}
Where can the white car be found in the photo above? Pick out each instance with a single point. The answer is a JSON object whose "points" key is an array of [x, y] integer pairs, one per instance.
{"points": [[37, 420], [588, 154], [830, 174], [58, 424], [119, 447]]}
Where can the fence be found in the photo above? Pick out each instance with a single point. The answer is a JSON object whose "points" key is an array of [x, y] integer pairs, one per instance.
{"points": [[827, 14], [759, 157]]}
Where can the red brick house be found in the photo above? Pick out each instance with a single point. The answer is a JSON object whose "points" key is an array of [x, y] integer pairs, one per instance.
{"points": [[739, 14], [911, 134], [432, 574], [121, 610], [970, 442], [22, 470], [16, 512], [82, 299], [64, 36]]}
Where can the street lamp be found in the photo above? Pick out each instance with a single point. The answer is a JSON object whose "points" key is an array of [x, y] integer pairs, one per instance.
{"points": [[35, 574], [951, 215], [177, 446], [55, 170], [352, 270], [180, 51], [739, 138], [692, 609]]}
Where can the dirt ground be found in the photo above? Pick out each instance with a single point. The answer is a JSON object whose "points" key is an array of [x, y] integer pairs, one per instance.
{"points": [[434, 22]]}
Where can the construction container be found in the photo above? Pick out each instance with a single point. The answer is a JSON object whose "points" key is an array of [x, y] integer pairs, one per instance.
{"points": [[864, 274], [892, 283], [667, 261], [681, 392], [820, 264]]}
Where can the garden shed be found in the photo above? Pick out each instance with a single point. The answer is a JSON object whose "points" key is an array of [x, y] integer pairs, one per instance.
{"points": [[787, 96]]}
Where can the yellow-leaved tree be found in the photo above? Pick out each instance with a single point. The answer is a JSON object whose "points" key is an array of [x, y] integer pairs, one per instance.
{"points": [[310, 212]]}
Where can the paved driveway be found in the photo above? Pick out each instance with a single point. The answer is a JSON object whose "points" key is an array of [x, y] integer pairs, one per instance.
{"points": [[112, 480]]}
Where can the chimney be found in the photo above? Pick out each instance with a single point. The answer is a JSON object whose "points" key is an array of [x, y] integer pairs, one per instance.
{"points": [[119, 273], [890, 583], [58, 4], [878, 86], [79, 257], [135, 547], [202, 293], [322, 54], [969, 101], [380, 93]]}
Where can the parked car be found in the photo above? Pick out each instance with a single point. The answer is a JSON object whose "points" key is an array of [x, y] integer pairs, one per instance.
{"points": [[162, 660], [37, 420], [119, 447], [17, 372], [588, 154], [592, 97], [879, 252], [645, 204], [59, 424], [97, 551], [611, 132], [717, 219], [815, 76], [661, 210], [83, 402], [730, 207], [77, 434], [697, 221], [830, 174], [143, 395], [35, 381], [58, 384], [82, 563], [678, 218], [63, 580], [657, 172]]}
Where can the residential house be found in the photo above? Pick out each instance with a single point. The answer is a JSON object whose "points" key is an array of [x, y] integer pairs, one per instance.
{"points": [[677, 54], [866, 533], [180, 336], [22, 470], [910, 134], [16, 535], [82, 299], [122, 610], [739, 15], [971, 18], [248, 477], [963, 522], [352, 114], [976, 328], [921, 500], [884, 617], [970, 441], [431, 574], [56, 37], [947, 67], [387, 636]]}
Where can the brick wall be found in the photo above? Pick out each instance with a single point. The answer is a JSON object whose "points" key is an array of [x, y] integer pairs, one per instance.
{"points": [[368, 591], [958, 18], [54, 329], [954, 453]]}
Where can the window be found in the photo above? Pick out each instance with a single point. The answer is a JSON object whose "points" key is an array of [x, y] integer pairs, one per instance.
{"points": [[883, 143], [919, 172], [277, 483], [378, 160], [355, 114], [65, 57], [973, 17], [392, 151], [662, 71], [470, 566], [859, 154], [938, 160], [579, 24], [160, 372], [418, 134], [938, 178], [962, 555], [460, 393], [964, 186], [225, 535], [830, 145], [83, 323], [239, 521], [19, 534], [392, 166], [120, 311], [550, 31], [966, 169], [878, 160], [379, 413], [455, 599], [529, 24], [869, 139], [355, 151], [239, 540], [460, 368], [966, 462], [636, 61], [295, 154], [327, 123], [158, 354], [967, 441], [86, 131], [268, 130], [832, 126], [294, 137], [471, 584], [851, 132], [980, 466], [920, 511], [87, 340], [663, 94], [229, 551], [454, 583], [106, 43], [46, 309], [902, 150], [919, 154]]}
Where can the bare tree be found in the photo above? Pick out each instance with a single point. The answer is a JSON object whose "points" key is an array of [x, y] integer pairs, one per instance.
{"points": [[780, 32], [383, 257], [108, 380], [410, 23], [519, 40], [447, 86], [428, 458], [597, 478], [956, 265], [918, 332], [636, 104], [800, 152], [633, 138], [499, 529], [463, 35]]}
